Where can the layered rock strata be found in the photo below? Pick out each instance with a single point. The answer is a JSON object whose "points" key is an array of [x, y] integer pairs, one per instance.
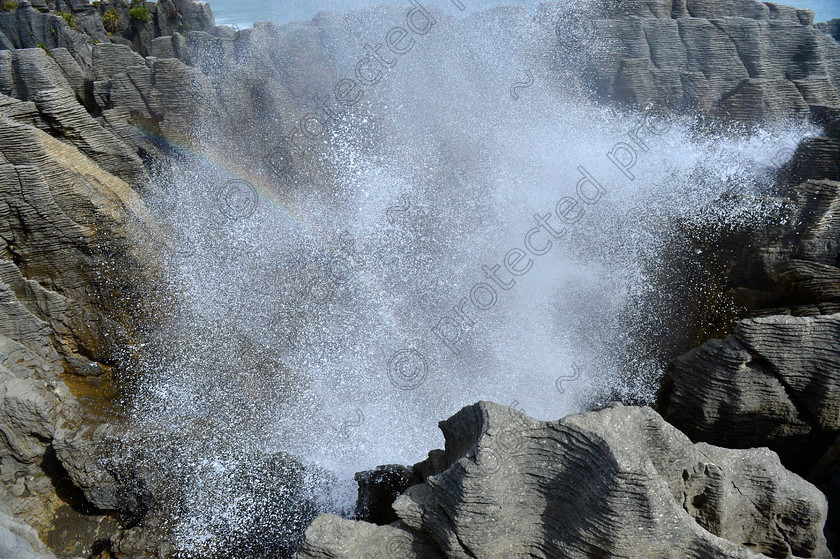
{"points": [[617, 482]]}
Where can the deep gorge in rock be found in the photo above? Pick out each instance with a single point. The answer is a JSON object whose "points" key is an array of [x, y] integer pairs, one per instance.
{"points": [[244, 267]]}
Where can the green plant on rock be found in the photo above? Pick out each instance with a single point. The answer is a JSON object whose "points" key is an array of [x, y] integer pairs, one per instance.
{"points": [[8, 5], [69, 18], [139, 13], [44, 46], [111, 20], [95, 4]]}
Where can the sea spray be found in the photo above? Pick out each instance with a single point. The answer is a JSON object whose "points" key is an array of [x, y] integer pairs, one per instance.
{"points": [[306, 331]]}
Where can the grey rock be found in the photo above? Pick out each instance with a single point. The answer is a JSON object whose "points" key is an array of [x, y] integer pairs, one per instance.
{"points": [[110, 60], [28, 417], [510, 486], [109, 487], [30, 72], [815, 158], [163, 47], [56, 202], [830, 27], [67, 118], [27, 27], [65, 203], [18, 540], [76, 75], [330, 537], [826, 476], [787, 264], [196, 16], [733, 60], [147, 541], [775, 382]]}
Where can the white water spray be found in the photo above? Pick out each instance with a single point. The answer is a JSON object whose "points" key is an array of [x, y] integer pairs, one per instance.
{"points": [[314, 325]]}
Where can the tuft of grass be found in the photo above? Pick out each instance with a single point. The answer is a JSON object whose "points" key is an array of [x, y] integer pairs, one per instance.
{"points": [[69, 18], [111, 20], [8, 5], [139, 13], [44, 46], [95, 4]]}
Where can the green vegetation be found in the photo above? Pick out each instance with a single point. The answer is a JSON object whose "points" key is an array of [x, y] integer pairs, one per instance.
{"points": [[8, 5], [139, 13], [69, 18], [111, 21], [44, 46]]}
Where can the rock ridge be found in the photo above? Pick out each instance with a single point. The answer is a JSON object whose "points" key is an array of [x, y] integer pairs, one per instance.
{"points": [[510, 486]]}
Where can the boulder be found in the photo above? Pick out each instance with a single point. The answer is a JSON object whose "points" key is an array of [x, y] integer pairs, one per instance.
{"points": [[775, 382], [617, 482]]}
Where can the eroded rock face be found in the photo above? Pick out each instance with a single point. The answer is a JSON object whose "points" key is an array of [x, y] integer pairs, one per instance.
{"points": [[831, 27], [775, 382], [39, 22], [734, 60], [618, 482], [19, 540], [69, 227], [788, 264]]}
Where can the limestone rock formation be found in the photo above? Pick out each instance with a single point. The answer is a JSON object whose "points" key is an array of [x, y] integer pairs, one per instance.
{"points": [[831, 27], [774, 379], [78, 26], [733, 60], [69, 232], [775, 382], [617, 482]]}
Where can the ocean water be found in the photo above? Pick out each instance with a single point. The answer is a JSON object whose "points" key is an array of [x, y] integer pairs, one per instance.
{"points": [[244, 12]]}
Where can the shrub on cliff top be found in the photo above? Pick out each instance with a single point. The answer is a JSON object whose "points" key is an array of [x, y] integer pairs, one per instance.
{"points": [[111, 20], [139, 13], [8, 5]]}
